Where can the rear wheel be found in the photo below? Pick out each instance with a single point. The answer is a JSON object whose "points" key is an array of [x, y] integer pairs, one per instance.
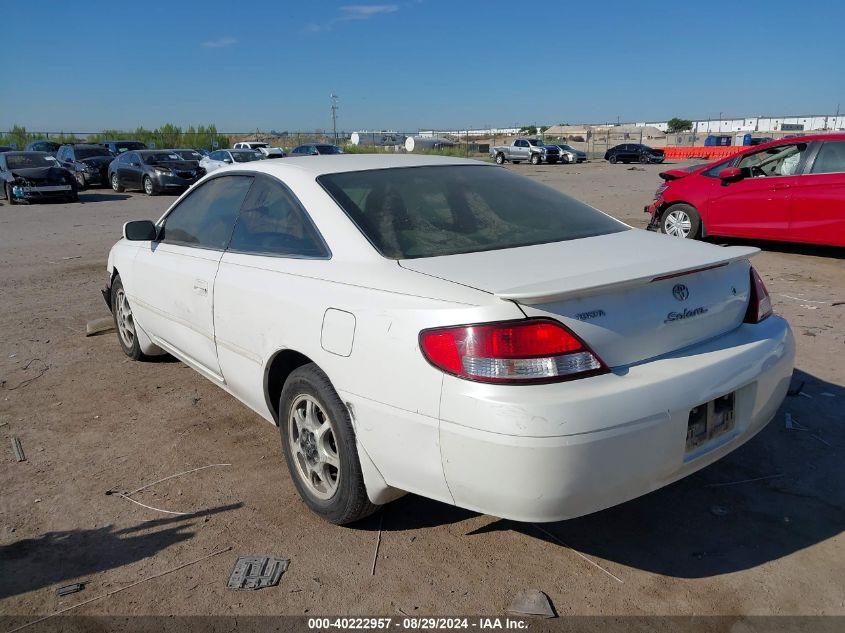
{"points": [[149, 187], [681, 220], [115, 184], [320, 449], [535, 159], [500, 158], [612, 160]]}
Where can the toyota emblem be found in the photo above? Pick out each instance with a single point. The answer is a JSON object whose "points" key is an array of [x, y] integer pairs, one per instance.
{"points": [[680, 292]]}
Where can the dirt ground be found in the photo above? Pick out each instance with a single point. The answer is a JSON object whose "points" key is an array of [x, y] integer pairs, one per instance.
{"points": [[91, 422]]}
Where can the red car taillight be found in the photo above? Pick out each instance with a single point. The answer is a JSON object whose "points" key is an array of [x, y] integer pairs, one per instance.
{"points": [[511, 352], [759, 303]]}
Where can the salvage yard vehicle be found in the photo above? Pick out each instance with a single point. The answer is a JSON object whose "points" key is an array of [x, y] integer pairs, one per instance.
{"points": [[569, 154], [634, 153], [35, 177], [788, 190], [223, 157], [530, 149], [89, 164], [119, 147], [411, 328], [314, 149], [153, 172], [43, 146]]}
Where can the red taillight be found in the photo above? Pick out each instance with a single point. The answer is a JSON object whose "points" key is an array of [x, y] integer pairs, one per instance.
{"points": [[759, 303], [513, 352]]}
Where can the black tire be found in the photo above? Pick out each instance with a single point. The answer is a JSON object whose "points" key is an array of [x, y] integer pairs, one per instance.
{"points": [[130, 347], [612, 160], [149, 186], [80, 181], [643, 159], [500, 158], [115, 185], [676, 212], [535, 159], [349, 502]]}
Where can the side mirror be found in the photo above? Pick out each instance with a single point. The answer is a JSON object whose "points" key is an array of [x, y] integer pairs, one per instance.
{"points": [[227, 160], [730, 174], [140, 231]]}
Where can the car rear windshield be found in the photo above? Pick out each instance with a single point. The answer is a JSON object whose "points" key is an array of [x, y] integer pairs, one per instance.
{"points": [[414, 212], [90, 152], [328, 149], [245, 156]]}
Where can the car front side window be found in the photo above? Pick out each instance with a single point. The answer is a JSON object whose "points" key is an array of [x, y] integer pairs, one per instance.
{"points": [[272, 222], [782, 160], [206, 217]]}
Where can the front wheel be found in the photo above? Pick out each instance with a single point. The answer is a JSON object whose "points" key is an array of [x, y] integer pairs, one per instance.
{"points": [[124, 321], [612, 160], [500, 159], [535, 159], [80, 181], [320, 449], [643, 159], [681, 220], [9, 196], [115, 184], [149, 187]]}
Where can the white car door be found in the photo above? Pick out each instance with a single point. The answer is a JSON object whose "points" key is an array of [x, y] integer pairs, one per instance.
{"points": [[173, 283], [266, 279]]}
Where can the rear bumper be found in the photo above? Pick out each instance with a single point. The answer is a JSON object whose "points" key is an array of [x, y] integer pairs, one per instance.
{"points": [[553, 452]]}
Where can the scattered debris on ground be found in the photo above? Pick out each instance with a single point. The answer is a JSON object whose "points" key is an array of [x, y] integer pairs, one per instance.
{"points": [[257, 572], [28, 380], [69, 589], [18, 449], [532, 602], [96, 326]]}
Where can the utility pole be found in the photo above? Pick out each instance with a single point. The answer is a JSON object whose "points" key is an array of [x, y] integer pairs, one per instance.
{"points": [[334, 116]]}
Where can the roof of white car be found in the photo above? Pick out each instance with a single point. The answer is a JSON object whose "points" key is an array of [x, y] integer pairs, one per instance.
{"points": [[331, 164]]}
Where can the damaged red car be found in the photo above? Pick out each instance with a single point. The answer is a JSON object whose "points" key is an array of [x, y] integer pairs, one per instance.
{"points": [[790, 190]]}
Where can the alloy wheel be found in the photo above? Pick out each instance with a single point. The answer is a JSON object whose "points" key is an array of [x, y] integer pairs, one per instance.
{"points": [[123, 318], [311, 436]]}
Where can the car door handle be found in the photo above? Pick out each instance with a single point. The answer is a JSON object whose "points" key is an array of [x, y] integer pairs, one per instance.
{"points": [[780, 185], [200, 286]]}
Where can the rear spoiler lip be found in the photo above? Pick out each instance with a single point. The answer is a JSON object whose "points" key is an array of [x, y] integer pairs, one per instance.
{"points": [[596, 283]]}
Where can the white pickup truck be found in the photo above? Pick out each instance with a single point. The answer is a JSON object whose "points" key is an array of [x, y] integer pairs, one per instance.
{"points": [[530, 149], [261, 146]]}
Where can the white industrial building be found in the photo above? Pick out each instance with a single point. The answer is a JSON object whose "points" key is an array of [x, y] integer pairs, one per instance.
{"points": [[726, 125]]}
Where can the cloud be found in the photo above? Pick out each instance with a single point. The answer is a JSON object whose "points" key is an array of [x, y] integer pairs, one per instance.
{"points": [[365, 11], [221, 42], [352, 12]]}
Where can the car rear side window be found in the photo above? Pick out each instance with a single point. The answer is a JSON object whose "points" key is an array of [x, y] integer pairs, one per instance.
{"points": [[206, 216], [445, 210], [272, 222], [831, 158]]}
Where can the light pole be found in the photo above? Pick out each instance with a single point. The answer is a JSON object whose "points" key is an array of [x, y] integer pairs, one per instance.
{"points": [[334, 116]]}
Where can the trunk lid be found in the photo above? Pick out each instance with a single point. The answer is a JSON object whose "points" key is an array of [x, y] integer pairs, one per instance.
{"points": [[631, 296]]}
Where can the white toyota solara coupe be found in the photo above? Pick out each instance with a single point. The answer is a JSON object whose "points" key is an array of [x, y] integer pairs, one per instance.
{"points": [[449, 328]]}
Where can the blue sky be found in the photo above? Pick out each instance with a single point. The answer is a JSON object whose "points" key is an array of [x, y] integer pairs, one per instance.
{"points": [[408, 64]]}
